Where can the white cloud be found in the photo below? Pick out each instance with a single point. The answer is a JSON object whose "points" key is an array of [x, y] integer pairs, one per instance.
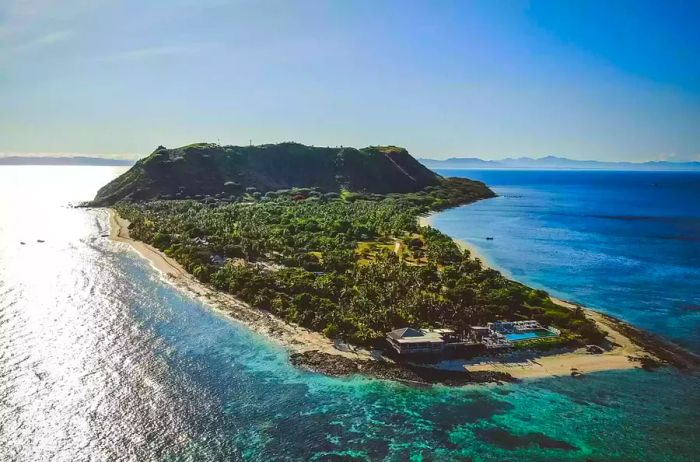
{"points": [[26, 23], [53, 37], [671, 156], [48, 39], [150, 52], [16, 11]]}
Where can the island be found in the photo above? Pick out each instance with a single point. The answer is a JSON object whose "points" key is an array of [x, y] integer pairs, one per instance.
{"points": [[323, 250]]}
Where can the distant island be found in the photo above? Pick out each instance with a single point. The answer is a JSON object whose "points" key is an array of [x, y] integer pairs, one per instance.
{"points": [[74, 160], [554, 162], [323, 250]]}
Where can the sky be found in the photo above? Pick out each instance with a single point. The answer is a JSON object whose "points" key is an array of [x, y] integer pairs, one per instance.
{"points": [[604, 80]]}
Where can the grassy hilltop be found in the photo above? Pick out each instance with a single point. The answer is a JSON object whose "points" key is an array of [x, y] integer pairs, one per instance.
{"points": [[223, 171]]}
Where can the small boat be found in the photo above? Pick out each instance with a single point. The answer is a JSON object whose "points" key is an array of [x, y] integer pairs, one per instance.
{"points": [[40, 241], [489, 238], [22, 242]]}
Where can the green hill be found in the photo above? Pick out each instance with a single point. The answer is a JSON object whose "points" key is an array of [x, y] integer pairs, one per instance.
{"points": [[203, 169]]}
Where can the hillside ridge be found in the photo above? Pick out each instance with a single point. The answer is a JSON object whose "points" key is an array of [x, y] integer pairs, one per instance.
{"points": [[204, 169]]}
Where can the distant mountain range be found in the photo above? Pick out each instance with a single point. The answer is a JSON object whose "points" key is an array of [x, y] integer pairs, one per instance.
{"points": [[548, 162], [77, 160], [553, 162]]}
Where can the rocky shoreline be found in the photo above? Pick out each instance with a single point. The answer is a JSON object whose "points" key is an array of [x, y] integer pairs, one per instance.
{"points": [[665, 352], [339, 366]]}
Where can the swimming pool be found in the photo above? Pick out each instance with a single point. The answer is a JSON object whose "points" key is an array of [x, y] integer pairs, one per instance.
{"points": [[520, 336]]}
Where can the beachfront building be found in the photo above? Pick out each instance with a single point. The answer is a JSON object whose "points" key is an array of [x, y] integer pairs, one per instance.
{"points": [[494, 335], [479, 332], [409, 340], [514, 326]]}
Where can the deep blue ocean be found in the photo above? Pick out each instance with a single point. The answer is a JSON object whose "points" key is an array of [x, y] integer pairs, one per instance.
{"points": [[101, 359], [626, 243]]}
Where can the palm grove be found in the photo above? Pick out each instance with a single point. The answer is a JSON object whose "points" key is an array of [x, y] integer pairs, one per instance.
{"points": [[352, 266]]}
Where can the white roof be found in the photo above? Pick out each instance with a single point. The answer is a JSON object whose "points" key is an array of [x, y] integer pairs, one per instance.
{"points": [[411, 335], [405, 333]]}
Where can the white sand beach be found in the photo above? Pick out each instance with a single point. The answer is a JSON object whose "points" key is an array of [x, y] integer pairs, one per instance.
{"points": [[294, 338]]}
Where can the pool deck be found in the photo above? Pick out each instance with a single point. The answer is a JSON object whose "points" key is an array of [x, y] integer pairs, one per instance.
{"points": [[530, 335]]}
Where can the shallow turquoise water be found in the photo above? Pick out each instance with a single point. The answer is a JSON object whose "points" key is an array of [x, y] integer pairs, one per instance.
{"points": [[100, 359], [528, 335]]}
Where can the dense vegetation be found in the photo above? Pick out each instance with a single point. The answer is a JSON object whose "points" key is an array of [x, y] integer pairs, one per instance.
{"points": [[200, 170], [348, 264]]}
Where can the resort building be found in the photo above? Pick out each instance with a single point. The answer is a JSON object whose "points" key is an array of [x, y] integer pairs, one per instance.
{"points": [[410, 340], [479, 332], [514, 326], [499, 334]]}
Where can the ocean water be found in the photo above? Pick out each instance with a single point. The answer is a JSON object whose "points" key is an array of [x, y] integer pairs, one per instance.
{"points": [[100, 359], [626, 243]]}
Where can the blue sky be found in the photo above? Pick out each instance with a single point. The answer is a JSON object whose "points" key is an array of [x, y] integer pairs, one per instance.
{"points": [[613, 80]]}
